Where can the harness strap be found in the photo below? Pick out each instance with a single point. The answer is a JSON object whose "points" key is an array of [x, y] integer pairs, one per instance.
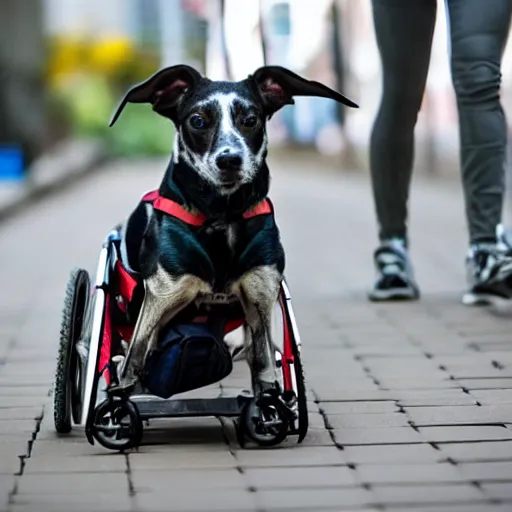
{"points": [[262, 208], [175, 209]]}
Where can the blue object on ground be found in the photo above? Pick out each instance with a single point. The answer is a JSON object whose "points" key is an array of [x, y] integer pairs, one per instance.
{"points": [[11, 163]]}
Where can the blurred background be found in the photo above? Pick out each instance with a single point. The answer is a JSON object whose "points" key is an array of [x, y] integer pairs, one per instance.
{"points": [[64, 64]]}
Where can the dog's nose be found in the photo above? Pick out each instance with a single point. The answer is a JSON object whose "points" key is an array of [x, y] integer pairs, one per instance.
{"points": [[229, 161]]}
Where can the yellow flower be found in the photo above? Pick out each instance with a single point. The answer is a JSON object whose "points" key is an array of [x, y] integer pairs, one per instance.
{"points": [[111, 54], [66, 57]]}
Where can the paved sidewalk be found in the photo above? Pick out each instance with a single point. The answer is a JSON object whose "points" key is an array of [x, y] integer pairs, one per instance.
{"points": [[410, 404]]}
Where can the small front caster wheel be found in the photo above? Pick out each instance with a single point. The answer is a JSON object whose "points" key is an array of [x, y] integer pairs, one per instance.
{"points": [[117, 425], [265, 421]]}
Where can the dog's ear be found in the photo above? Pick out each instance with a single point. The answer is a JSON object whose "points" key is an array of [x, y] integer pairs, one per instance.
{"points": [[278, 86], [163, 90]]}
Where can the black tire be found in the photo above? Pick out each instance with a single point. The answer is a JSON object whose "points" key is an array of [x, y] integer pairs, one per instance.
{"points": [[302, 400], [108, 425], [250, 427], [73, 314]]}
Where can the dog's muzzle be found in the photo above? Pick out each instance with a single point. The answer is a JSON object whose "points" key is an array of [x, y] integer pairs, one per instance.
{"points": [[229, 162]]}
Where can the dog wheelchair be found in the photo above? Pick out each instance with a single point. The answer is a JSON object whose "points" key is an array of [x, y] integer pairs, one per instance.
{"points": [[97, 322]]}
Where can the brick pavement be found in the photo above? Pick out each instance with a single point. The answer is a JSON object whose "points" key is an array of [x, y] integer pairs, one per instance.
{"points": [[410, 404]]}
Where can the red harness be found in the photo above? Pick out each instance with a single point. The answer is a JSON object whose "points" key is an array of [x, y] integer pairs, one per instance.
{"points": [[197, 219], [127, 282]]}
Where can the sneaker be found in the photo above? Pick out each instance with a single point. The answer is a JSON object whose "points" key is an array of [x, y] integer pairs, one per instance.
{"points": [[395, 279], [489, 272], [503, 242]]}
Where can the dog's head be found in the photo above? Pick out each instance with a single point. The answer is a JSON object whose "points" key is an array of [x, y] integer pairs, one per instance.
{"points": [[220, 126]]}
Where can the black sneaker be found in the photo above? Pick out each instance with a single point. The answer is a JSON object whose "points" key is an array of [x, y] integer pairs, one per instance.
{"points": [[489, 272], [395, 278]]}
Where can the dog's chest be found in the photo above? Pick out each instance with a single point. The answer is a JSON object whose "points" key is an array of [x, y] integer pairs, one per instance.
{"points": [[220, 252], [222, 237], [220, 241]]}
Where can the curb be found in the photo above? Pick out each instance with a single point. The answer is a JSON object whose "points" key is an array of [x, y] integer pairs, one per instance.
{"points": [[64, 165]]}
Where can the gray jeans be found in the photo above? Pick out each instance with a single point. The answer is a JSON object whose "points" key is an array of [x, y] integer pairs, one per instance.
{"points": [[478, 34]]}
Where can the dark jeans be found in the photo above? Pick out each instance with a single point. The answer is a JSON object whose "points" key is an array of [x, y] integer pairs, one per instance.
{"points": [[478, 34]]}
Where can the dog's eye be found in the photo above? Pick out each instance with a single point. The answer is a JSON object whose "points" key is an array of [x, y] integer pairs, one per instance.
{"points": [[197, 122], [250, 121]]}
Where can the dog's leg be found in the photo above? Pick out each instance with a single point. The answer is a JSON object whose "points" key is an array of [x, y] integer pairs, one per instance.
{"points": [[165, 296], [258, 292]]}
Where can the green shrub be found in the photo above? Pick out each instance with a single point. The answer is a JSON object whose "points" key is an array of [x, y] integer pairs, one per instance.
{"points": [[140, 131]]}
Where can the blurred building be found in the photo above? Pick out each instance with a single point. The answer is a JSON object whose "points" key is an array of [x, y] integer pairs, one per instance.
{"points": [[22, 113], [331, 41]]}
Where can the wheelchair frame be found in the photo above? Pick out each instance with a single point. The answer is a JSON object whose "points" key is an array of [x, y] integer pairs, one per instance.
{"points": [[79, 401]]}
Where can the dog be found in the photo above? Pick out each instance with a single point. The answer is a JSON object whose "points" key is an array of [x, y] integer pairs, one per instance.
{"points": [[217, 170]]}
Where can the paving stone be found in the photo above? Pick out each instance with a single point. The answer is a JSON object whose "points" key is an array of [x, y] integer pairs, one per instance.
{"points": [[25, 380], [416, 495], [426, 397], [391, 435], [501, 491], [315, 437], [344, 509], [7, 484], [478, 371], [471, 384], [62, 464], [304, 478], [479, 451], [312, 499], [481, 506], [26, 391], [487, 471], [24, 428], [106, 502], [408, 474], [176, 500], [327, 394], [495, 396], [341, 421], [464, 433], [376, 348], [316, 420], [454, 401], [420, 384], [181, 459], [74, 444], [20, 413], [10, 462], [400, 366], [394, 453], [381, 407], [422, 416], [290, 457], [159, 481], [10, 402], [81, 483]]}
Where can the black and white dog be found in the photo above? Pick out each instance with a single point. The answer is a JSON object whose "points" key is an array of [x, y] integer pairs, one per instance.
{"points": [[218, 171]]}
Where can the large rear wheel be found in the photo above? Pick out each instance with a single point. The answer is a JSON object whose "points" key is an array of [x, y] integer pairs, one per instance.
{"points": [[68, 376]]}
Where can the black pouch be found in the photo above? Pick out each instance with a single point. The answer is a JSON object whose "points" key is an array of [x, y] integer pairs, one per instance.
{"points": [[188, 356]]}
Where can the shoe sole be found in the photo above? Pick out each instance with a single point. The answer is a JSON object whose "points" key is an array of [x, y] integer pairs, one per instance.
{"points": [[394, 294], [483, 299]]}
